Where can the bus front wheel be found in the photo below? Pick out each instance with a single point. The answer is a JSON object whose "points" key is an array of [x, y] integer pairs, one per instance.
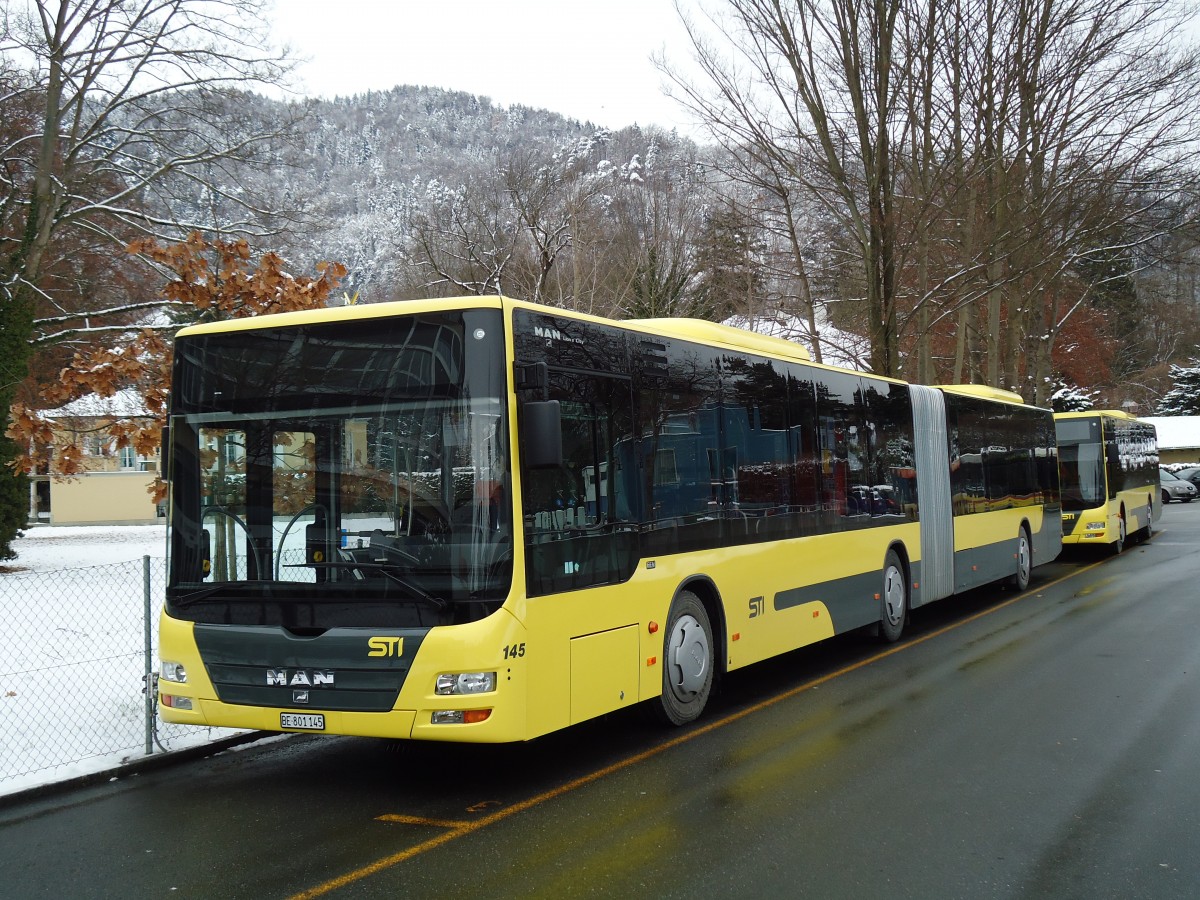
{"points": [[894, 610], [687, 661]]}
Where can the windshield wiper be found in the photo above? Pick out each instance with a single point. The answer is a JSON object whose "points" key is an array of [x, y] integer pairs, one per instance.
{"points": [[388, 570], [195, 596], [262, 589]]}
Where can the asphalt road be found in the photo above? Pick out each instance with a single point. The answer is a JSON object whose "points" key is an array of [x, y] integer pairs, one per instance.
{"points": [[1040, 745]]}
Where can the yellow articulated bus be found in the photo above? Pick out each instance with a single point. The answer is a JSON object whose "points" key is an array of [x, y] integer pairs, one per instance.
{"points": [[479, 519], [1108, 465]]}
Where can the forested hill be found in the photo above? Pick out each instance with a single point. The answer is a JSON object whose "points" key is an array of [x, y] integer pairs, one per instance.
{"points": [[418, 133], [421, 190]]}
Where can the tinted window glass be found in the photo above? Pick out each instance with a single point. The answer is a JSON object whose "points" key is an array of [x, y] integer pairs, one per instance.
{"points": [[581, 518], [892, 472], [691, 473], [842, 446], [967, 436]]}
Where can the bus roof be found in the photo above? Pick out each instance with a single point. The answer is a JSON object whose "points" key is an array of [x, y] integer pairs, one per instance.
{"points": [[343, 313], [1083, 414], [705, 332], [982, 390], [696, 330]]}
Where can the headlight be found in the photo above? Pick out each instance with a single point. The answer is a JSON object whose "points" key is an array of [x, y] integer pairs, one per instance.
{"points": [[172, 671], [1095, 526], [466, 683]]}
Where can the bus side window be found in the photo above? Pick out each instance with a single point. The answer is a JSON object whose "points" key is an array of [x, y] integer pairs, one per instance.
{"points": [[892, 467], [967, 482], [842, 439], [572, 511], [555, 496]]}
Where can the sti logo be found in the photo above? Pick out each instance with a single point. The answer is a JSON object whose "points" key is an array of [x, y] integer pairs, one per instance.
{"points": [[385, 646]]}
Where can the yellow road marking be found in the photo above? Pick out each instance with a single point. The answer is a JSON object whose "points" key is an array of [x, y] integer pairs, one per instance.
{"points": [[456, 830], [422, 820]]}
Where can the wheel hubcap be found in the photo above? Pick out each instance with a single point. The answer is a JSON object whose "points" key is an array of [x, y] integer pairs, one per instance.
{"points": [[1023, 559], [893, 596], [688, 657]]}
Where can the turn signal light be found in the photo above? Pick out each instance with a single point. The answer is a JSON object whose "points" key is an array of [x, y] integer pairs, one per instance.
{"points": [[460, 716]]}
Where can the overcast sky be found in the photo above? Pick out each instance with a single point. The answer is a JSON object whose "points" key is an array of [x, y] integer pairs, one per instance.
{"points": [[587, 60]]}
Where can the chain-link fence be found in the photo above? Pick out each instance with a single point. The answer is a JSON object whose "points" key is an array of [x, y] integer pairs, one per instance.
{"points": [[77, 649]]}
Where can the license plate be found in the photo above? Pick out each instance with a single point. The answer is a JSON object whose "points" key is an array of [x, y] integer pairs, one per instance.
{"points": [[302, 721]]}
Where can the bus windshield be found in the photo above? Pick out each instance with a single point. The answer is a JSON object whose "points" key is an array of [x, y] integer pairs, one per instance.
{"points": [[1081, 464], [323, 474]]}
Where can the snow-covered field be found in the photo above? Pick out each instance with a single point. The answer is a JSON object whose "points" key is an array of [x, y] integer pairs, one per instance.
{"points": [[73, 653], [49, 548]]}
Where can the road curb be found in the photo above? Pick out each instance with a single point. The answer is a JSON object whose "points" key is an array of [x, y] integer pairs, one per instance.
{"points": [[132, 767]]}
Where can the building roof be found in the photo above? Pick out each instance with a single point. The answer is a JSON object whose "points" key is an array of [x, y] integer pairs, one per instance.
{"points": [[1176, 432], [126, 404]]}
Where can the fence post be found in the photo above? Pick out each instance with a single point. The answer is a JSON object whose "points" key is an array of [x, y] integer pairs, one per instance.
{"points": [[148, 681]]}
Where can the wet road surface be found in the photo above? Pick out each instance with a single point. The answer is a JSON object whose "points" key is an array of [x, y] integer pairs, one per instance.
{"points": [[1034, 745]]}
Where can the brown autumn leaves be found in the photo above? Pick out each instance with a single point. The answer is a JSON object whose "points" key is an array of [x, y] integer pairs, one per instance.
{"points": [[208, 280]]}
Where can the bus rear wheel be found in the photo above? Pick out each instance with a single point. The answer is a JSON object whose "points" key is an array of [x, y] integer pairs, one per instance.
{"points": [[1020, 579], [894, 607], [1147, 530], [687, 661]]}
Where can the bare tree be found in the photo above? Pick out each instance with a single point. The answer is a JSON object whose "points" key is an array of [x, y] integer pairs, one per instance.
{"points": [[976, 153], [549, 196], [819, 88], [508, 228], [105, 102], [464, 239], [657, 204], [1067, 129], [568, 227], [786, 214]]}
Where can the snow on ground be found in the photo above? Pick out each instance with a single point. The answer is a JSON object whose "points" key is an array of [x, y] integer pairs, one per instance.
{"points": [[45, 548], [73, 655]]}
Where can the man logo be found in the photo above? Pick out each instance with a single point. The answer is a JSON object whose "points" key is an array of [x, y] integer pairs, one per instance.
{"points": [[553, 334], [300, 677], [385, 646]]}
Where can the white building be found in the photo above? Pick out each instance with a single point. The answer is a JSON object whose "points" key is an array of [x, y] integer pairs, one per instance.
{"points": [[1178, 438], [115, 486]]}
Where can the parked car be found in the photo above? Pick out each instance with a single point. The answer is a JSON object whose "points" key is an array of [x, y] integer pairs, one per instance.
{"points": [[1175, 488], [1192, 474]]}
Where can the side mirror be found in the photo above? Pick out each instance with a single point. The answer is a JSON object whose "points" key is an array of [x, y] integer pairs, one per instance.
{"points": [[205, 555], [541, 435]]}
